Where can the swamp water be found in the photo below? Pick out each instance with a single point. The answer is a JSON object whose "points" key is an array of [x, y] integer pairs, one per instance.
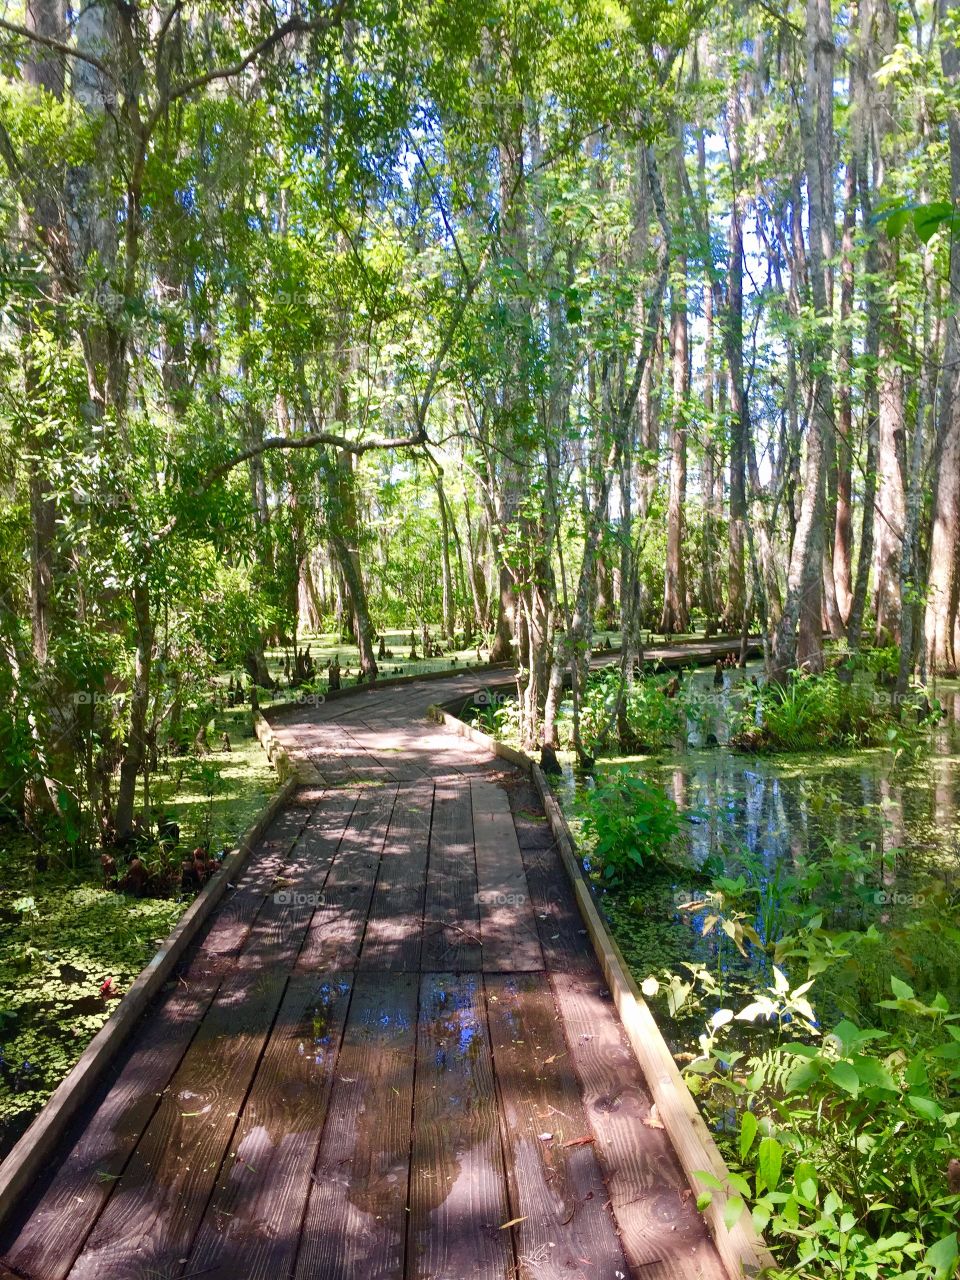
{"points": [[866, 839]]}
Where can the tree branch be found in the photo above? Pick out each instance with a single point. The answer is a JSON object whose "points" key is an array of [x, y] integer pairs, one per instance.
{"points": [[68, 51], [292, 25]]}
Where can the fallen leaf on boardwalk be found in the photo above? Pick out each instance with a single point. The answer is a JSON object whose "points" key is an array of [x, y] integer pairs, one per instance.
{"points": [[653, 1120], [512, 1223], [580, 1142]]}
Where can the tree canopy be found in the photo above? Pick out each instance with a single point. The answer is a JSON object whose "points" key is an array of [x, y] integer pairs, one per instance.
{"points": [[509, 321]]}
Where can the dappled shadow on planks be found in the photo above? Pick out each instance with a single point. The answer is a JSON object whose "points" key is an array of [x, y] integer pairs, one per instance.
{"points": [[391, 1055]]}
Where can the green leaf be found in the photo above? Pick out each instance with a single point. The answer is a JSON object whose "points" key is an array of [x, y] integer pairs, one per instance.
{"points": [[805, 1180], [748, 1131], [928, 218], [925, 1107], [732, 1212], [943, 1255], [901, 990], [897, 221], [845, 1077], [770, 1162]]}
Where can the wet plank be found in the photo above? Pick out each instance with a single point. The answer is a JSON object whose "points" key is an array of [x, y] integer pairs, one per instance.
{"points": [[335, 935], [356, 1219], [663, 1236], [451, 924], [149, 1222], [556, 1186], [393, 936], [564, 939], [508, 927], [252, 1224], [401, 1143], [295, 893], [46, 1241], [458, 1198], [157, 1204]]}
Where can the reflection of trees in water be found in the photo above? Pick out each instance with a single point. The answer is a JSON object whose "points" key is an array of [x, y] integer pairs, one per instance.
{"points": [[778, 811], [764, 813]]}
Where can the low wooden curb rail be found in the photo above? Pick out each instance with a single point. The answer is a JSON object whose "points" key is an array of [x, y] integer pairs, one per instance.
{"points": [[35, 1149], [741, 1250]]}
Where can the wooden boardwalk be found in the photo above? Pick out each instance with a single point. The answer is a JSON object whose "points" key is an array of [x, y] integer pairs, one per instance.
{"points": [[391, 1054]]}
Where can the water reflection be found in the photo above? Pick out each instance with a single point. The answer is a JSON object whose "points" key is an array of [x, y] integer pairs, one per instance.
{"points": [[773, 815]]}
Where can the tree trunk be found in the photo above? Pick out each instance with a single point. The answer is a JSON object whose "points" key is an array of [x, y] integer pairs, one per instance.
{"points": [[675, 617], [803, 607], [843, 525], [135, 753], [943, 580], [733, 330]]}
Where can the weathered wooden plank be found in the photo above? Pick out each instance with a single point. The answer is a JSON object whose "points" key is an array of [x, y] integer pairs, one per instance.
{"points": [[564, 939], [458, 1194], [53, 1225], [394, 752], [336, 930], [739, 1247], [251, 1226], [295, 894], [150, 1220], [356, 1219], [394, 932], [158, 1201], [508, 927], [451, 923], [663, 1235], [556, 1187]]}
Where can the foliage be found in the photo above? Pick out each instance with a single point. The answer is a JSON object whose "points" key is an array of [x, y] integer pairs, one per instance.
{"points": [[655, 718], [844, 1147], [62, 934], [816, 710], [843, 1142], [628, 824]]}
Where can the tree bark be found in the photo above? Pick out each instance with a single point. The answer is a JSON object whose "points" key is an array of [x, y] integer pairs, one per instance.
{"points": [[675, 617], [944, 572]]}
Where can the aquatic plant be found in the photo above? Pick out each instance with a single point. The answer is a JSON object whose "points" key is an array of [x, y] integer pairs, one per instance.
{"points": [[628, 823]]}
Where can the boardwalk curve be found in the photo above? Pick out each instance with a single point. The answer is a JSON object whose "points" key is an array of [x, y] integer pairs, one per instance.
{"points": [[391, 1054]]}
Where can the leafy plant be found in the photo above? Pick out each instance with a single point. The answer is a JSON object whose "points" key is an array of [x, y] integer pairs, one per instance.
{"points": [[654, 718], [628, 823]]}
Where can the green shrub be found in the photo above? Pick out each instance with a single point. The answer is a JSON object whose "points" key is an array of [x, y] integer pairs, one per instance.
{"points": [[655, 720], [843, 1149], [818, 710], [628, 822]]}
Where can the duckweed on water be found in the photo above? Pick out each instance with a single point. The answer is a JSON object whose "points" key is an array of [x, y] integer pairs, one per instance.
{"points": [[63, 935]]}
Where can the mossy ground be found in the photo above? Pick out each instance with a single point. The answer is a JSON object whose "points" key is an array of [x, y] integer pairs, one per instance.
{"points": [[62, 934]]}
